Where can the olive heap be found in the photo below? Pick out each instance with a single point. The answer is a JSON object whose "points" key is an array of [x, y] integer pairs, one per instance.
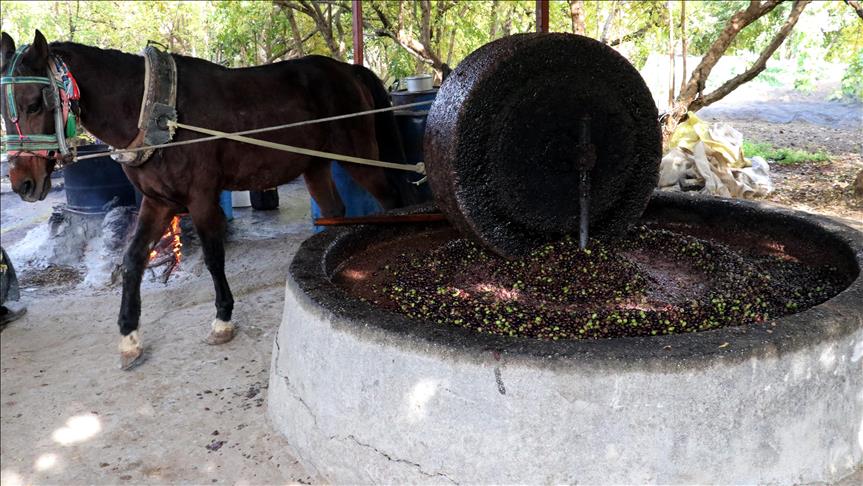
{"points": [[612, 289]]}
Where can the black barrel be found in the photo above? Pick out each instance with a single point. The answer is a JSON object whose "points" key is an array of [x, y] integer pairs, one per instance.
{"points": [[266, 200], [94, 183]]}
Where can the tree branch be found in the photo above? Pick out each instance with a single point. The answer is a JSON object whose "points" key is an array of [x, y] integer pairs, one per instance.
{"points": [[295, 31], [644, 29], [419, 49], [735, 24], [630, 36], [856, 6], [604, 37], [686, 99], [759, 65], [298, 48]]}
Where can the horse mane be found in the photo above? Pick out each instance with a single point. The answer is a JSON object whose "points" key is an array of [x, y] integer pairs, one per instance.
{"points": [[112, 55], [116, 57]]}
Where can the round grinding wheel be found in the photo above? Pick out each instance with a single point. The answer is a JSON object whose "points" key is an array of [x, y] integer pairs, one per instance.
{"points": [[502, 138]]}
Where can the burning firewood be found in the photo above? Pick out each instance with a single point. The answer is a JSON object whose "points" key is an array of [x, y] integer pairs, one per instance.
{"points": [[167, 251]]}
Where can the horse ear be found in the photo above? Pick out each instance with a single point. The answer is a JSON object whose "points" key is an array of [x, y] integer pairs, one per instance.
{"points": [[37, 53], [7, 48]]}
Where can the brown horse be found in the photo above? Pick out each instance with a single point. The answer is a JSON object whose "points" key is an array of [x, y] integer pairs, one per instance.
{"points": [[190, 178]]}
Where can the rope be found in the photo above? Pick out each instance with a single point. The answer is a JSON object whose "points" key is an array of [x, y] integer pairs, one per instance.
{"points": [[418, 167], [216, 135]]}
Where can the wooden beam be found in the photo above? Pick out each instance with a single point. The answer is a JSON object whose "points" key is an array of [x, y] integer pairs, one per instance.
{"points": [[542, 15], [381, 219], [357, 17]]}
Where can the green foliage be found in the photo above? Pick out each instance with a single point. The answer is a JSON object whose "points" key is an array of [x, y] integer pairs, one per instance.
{"points": [[839, 29], [805, 77], [244, 33], [784, 156], [120, 25], [852, 81], [708, 18], [248, 33], [770, 76]]}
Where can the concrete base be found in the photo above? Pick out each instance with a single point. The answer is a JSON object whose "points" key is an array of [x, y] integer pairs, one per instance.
{"points": [[365, 396]]}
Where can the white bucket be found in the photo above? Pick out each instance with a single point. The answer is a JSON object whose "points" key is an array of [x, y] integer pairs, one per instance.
{"points": [[420, 82], [240, 199]]}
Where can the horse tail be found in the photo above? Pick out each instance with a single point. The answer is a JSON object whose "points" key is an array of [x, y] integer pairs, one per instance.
{"points": [[390, 148]]}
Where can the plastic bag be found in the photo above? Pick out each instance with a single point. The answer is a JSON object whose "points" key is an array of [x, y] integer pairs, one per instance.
{"points": [[709, 158]]}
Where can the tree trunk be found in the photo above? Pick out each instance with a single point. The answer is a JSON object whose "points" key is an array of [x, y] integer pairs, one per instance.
{"points": [[691, 97], [295, 32], [604, 37], [576, 15], [671, 74], [507, 24], [425, 20], [492, 34], [683, 42], [452, 33]]}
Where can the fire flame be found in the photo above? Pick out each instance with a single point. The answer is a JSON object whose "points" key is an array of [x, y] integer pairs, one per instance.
{"points": [[171, 239]]}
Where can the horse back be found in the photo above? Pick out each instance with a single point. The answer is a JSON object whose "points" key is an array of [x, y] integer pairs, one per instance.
{"points": [[230, 100]]}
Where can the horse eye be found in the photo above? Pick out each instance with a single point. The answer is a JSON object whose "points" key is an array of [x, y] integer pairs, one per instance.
{"points": [[34, 107]]}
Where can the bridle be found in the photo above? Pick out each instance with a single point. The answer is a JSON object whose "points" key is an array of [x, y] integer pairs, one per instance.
{"points": [[60, 95]]}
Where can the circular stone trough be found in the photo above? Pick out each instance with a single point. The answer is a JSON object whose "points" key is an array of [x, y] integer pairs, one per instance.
{"points": [[367, 396]]}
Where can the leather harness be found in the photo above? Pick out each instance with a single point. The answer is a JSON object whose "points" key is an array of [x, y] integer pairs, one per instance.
{"points": [[158, 106]]}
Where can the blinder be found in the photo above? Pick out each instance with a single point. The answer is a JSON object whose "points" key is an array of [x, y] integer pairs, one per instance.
{"points": [[58, 97], [49, 98]]}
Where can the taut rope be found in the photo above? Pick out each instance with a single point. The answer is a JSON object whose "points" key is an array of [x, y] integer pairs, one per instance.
{"points": [[239, 137], [419, 167]]}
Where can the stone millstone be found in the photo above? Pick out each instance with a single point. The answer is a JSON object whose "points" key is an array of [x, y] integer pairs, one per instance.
{"points": [[500, 143]]}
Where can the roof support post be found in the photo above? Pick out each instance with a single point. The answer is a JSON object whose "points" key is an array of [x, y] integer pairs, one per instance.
{"points": [[357, 18], [542, 15]]}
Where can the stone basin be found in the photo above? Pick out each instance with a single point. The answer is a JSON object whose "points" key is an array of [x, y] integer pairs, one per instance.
{"points": [[368, 396]]}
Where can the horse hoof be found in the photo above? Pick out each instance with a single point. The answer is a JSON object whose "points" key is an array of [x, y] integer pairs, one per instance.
{"points": [[131, 351], [131, 360], [221, 332]]}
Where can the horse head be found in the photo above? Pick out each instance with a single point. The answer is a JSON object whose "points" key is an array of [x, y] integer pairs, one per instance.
{"points": [[28, 116]]}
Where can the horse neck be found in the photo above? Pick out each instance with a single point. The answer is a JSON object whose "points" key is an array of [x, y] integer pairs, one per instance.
{"points": [[111, 85]]}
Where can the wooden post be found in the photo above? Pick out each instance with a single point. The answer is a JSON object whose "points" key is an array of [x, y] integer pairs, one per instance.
{"points": [[542, 15], [357, 17]]}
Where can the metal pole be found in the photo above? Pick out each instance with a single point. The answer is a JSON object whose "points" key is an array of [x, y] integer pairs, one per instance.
{"points": [[357, 17], [587, 158], [542, 15]]}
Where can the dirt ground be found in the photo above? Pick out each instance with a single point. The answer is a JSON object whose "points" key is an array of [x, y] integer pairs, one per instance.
{"points": [[191, 413], [818, 187]]}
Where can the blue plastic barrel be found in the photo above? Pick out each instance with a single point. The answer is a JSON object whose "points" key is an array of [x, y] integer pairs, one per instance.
{"points": [[357, 201], [226, 204], [411, 125], [92, 184]]}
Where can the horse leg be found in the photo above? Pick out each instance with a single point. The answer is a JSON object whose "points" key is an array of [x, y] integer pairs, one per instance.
{"points": [[210, 223], [319, 182], [153, 218]]}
